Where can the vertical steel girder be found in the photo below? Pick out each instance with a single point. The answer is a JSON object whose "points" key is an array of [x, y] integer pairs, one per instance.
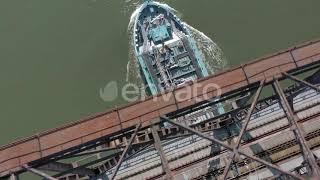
{"points": [[293, 120], [158, 146], [39, 173], [243, 130], [230, 148], [302, 82], [124, 153]]}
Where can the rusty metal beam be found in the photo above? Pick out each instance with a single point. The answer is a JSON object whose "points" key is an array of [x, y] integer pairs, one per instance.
{"points": [[293, 120], [233, 149], [39, 173], [158, 146], [243, 130], [124, 153], [316, 88]]}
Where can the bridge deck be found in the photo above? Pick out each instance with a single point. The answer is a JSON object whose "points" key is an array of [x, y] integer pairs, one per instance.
{"points": [[16, 154]]}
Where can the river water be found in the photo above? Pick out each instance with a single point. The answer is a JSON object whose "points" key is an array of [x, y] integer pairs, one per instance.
{"points": [[57, 56]]}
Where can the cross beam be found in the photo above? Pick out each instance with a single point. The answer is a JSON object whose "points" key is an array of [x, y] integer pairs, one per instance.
{"points": [[230, 148], [243, 130], [39, 173], [302, 82], [124, 153], [158, 146], [71, 171], [293, 120]]}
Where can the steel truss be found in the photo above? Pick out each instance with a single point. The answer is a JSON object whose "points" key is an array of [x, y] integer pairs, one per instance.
{"points": [[158, 133], [293, 119]]}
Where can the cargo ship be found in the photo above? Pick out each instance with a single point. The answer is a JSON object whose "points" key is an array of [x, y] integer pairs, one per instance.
{"points": [[165, 49]]}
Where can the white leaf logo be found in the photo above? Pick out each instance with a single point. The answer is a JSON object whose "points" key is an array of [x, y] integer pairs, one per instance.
{"points": [[109, 92]]}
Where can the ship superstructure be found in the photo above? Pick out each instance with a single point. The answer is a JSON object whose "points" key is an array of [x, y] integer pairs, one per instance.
{"points": [[167, 53]]}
